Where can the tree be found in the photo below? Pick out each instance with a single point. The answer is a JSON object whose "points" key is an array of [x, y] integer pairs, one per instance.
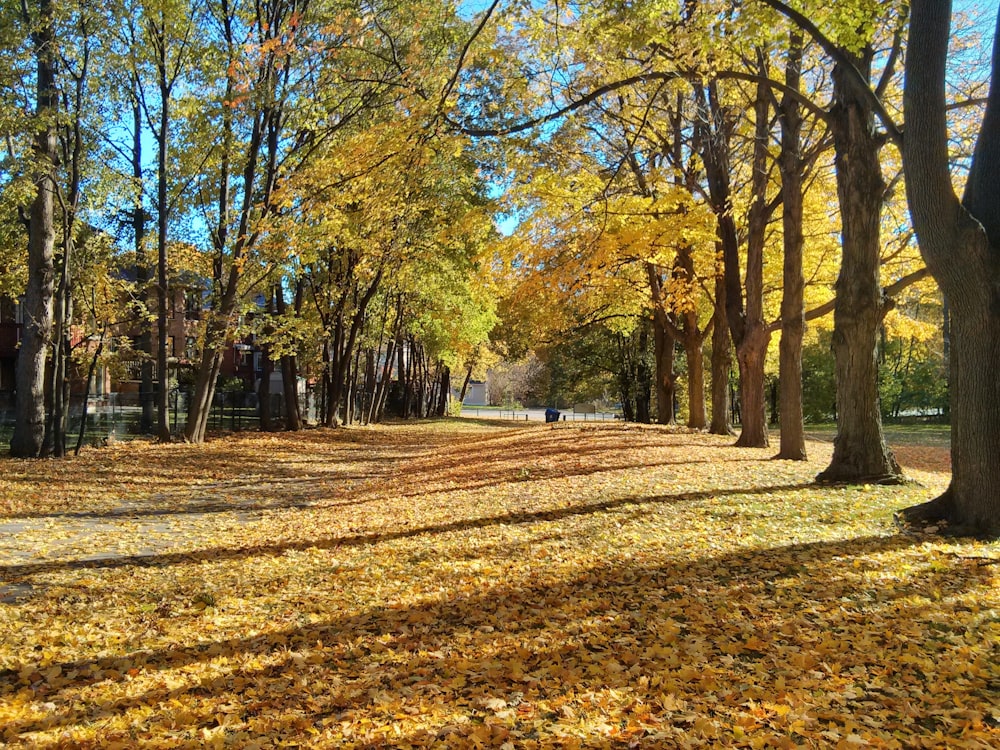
{"points": [[860, 450], [750, 334], [960, 241], [791, 165], [78, 164], [28, 439], [168, 31]]}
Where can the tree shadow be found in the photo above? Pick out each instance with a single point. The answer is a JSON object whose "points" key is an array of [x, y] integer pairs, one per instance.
{"points": [[13, 572], [401, 466], [679, 646]]}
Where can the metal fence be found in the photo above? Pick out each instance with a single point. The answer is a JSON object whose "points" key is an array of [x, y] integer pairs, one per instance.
{"points": [[537, 415], [115, 417]]}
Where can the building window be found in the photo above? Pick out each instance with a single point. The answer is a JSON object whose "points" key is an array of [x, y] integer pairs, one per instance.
{"points": [[192, 305], [10, 310]]}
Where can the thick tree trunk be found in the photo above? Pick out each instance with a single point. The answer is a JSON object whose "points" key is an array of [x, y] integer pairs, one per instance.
{"points": [[753, 336], [666, 378], [971, 503], [961, 244], [722, 360], [860, 452], [694, 356], [793, 442], [444, 391], [204, 392], [162, 271], [753, 406], [750, 335], [290, 391], [28, 440]]}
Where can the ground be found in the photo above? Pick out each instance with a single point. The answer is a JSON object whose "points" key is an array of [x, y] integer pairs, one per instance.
{"points": [[466, 584]]}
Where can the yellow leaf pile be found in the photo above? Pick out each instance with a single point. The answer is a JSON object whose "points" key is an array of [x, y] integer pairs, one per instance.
{"points": [[472, 585]]}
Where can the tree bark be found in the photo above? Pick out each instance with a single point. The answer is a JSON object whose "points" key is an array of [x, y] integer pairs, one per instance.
{"points": [[749, 333], [147, 399], [162, 224], [28, 439], [664, 339], [753, 336], [694, 356], [666, 378], [692, 338], [722, 360], [860, 452], [204, 392], [961, 244], [750, 357], [792, 438], [643, 379]]}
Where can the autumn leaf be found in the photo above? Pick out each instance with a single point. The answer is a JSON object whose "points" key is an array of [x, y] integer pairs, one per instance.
{"points": [[406, 586]]}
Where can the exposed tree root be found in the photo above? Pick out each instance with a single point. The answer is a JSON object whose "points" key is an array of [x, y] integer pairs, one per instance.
{"points": [[940, 516], [843, 477]]}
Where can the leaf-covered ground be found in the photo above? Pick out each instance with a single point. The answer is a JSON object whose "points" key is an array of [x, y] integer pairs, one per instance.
{"points": [[468, 585]]}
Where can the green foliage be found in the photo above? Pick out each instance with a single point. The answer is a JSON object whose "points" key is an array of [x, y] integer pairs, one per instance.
{"points": [[580, 366], [912, 379], [819, 393]]}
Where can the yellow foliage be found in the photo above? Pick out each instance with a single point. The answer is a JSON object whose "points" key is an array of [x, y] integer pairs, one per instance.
{"points": [[393, 587]]}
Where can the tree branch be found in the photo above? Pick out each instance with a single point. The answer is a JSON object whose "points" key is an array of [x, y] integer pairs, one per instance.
{"points": [[837, 54], [450, 86], [610, 88]]}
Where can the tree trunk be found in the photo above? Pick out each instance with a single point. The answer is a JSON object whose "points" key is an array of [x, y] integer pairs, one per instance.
{"points": [[28, 440], [162, 224], [289, 373], [147, 399], [694, 356], [860, 452], [793, 441], [465, 384], [60, 389], [961, 245], [625, 376], [91, 370], [264, 390], [753, 406], [204, 393], [444, 397], [749, 334], [643, 379], [383, 385], [692, 339], [666, 378], [722, 358], [754, 334], [290, 392]]}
